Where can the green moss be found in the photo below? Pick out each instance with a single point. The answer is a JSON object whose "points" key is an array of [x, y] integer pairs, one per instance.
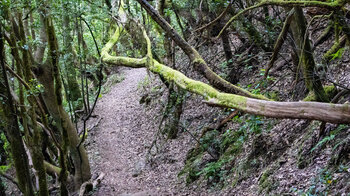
{"points": [[110, 43], [264, 177], [330, 91], [231, 100], [199, 60], [232, 142]]}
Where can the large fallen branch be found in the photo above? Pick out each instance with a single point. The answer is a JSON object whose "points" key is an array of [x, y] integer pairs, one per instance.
{"points": [[196, 59], [334, 113]]}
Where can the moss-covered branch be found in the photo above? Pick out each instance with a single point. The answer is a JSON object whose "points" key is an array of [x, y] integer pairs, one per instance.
{"points": [[333, 53], [335, 113], [196, 59]]}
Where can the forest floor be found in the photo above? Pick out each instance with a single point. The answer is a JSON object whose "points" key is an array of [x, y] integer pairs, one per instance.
{"points": [[119, 145]]}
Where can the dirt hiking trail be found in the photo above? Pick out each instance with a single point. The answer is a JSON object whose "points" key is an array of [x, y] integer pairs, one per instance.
{"points": [[119, 144]]}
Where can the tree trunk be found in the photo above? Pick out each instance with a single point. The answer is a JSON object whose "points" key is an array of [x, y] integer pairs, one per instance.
{"points": [[312, 80], [12, 129], [198, 62], [175, 98], [49, 76]]}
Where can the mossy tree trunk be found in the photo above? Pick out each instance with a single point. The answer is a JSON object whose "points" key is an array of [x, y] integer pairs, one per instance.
{"points": [[234, 73], [196, 59], [307, 62], [35, 141], [49, 75], [175, 99], [8, 114]]}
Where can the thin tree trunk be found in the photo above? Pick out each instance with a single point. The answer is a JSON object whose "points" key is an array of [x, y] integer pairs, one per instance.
{"points": [[175, 98]]}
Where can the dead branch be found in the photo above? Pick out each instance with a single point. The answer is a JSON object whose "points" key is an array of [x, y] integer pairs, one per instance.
{"points": [[92, 126]]}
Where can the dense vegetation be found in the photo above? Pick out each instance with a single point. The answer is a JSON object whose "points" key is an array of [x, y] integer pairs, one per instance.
{"points": [[55, 56]]}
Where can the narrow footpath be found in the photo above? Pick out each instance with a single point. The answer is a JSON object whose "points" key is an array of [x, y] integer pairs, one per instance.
{"points": [[119, 144]]}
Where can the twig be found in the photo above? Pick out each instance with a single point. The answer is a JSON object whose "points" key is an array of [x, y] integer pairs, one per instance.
{"points": [[99, 85], [198, 142], [337, 84]]}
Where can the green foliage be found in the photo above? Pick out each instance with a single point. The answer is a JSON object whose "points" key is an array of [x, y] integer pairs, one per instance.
{"points": [[210, 140], [214, 172], [224, 64], [338, 54], [329, 138], [5, 145], [253, 124], [35, 88], [259, 86], [232, 139], [227, 145], [217, 5]]}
